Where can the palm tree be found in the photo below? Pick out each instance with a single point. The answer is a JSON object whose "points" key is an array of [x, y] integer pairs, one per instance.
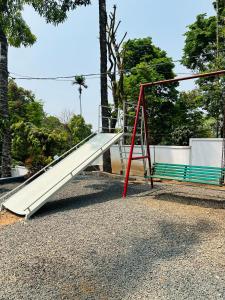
{"points": [[80, 81]]}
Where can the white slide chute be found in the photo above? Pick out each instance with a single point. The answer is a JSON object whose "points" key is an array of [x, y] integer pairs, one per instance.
{"points": [[30, 197]]}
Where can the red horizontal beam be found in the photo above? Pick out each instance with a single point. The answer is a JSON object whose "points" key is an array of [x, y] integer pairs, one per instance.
{"points": [[139, 157], [210, 74]]}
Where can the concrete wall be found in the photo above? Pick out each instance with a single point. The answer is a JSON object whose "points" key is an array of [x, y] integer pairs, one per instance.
{"points": [[201, 152], [171, 154], [166, 154], [19, 171], [206, 152]]}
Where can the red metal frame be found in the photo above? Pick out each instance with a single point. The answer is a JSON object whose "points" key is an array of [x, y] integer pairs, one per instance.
{"points": [[142, 103]]}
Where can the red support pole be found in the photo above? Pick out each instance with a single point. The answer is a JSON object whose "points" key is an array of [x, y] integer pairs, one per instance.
{"points": [[167, 81], [140, 101], [139, 157]]}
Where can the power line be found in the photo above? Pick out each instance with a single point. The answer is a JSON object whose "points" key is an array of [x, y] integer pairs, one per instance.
{"points": [[96, 75]]}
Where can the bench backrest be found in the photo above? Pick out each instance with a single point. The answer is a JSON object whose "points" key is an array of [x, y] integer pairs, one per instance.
{"points": [[201, 174]]}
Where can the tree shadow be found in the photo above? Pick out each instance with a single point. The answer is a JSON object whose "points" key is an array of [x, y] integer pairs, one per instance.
{"points": [[191, 200], [102, 192], [121, 274], [120, 271], [7, 187], [3, 190]]}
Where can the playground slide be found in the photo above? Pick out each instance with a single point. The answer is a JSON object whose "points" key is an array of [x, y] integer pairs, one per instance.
{"points": [[32, 196]]}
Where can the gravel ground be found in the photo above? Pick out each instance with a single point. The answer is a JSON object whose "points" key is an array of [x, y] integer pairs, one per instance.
{"points": [[88, 243]]}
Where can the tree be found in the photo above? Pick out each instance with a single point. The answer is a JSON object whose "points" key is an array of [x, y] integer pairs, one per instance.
{"points": [[36, 146], [80, 81], [52, 123], [200, 43], [189, 119], [79, 129], [23, 105], [204, 51], [15, 31], [103, 70], [37, 138], [116, 68], [144, 62], [205, 39]]}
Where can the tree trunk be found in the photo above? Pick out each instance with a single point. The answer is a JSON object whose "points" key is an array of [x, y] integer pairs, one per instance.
{"points": [[80, 103], [4, 110], [103, 69]]}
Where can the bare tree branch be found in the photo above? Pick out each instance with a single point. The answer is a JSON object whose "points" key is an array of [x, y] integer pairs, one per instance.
{"points": [[116, 65]]}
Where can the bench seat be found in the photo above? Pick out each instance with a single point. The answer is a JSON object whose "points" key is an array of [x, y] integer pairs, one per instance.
{"points": [[188, 173]]}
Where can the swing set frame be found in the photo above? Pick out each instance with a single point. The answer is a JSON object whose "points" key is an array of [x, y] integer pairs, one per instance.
{"points": [[142, 104]]}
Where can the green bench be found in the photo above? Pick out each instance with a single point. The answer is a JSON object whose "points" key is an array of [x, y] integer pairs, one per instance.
{"points": [[187, 173]]}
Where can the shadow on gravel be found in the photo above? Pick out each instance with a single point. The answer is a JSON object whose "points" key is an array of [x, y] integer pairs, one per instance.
{"points": [[121, 272], [3, 191], [184, 199], [102, 192]]}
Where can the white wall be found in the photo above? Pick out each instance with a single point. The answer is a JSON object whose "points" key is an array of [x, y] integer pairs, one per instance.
{"points": [[171, 154], [19, 171], [206, 152], [166, 154], [201, 152]]}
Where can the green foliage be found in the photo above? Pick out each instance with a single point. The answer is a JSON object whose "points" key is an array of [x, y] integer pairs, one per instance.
{"points": [[24, 106], [181, 135], [16, 29], [152, 64], [13, 25], [16, 32], [79, 130], [55, 11], [203, 53], [200, 43], [52, 123], [200, 50], [138, 51], [35, 146], [189, 120], [173, 117], [80, 81], [160, 100], [37, 138]]}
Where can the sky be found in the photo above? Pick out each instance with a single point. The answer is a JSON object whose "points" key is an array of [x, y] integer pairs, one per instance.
{"points": [[72, 48]]}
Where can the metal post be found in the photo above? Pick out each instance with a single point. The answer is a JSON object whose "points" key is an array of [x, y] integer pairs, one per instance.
{"points": [[133, 141], [141, 101]]}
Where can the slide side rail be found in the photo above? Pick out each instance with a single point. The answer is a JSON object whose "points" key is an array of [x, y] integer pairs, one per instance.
{"points": [[83, 163], [54, 162]]}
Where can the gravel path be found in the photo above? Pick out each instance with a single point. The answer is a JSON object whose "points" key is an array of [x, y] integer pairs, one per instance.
{"points": [[88, 243]]}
